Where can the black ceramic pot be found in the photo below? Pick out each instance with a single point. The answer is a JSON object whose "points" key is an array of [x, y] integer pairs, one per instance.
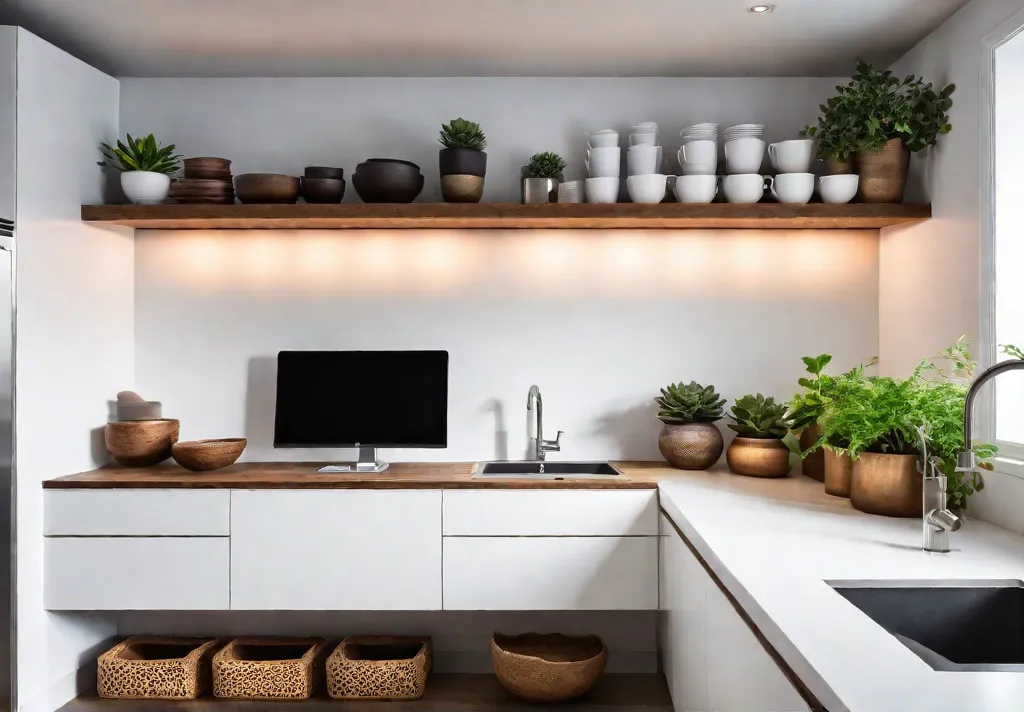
{"points": [[383, 181], [462, 161]]}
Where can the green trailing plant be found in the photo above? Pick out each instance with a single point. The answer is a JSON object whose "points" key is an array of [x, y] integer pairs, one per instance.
{"points": [[680, 404], [460, 133], [141, 154], [759, 417], [1012, 351], [546, 165]]}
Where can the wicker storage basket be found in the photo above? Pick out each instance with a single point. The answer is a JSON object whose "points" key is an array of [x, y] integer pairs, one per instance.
{"points": [[379, 668], [548, 668], [155, 667], [267, 668]]}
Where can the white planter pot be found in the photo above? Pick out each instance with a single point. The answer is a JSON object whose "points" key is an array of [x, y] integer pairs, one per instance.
{"points": [[145, 187]]}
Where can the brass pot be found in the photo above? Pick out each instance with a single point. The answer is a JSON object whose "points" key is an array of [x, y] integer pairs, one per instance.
{"points": [[758, 457], [883, 174], [886, 484], [838, 473], [813, 465], [462, 188], [691, 446], [835, 167]]}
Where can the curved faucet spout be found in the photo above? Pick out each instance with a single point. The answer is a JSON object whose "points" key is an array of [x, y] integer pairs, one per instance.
{"points": [[965, 461]]}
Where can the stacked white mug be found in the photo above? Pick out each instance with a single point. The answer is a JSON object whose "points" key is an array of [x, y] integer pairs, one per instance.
{"points": [[794, 182], [604, 164], [645, 182], [744, 153], [698, 161]]}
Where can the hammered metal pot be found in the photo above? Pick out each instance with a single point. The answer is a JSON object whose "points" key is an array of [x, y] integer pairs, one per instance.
{"points": [[758, 457], [691, 446], [462, 188], [886, 484], [838, 473], [883, 175], [813, 465]]}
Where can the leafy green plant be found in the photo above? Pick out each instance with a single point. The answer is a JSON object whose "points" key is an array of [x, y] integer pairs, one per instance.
{"points": [[141, 154], [679, 404], [807, 405], [1012, 351], [545, 165], [759, 417], [461, 133]]}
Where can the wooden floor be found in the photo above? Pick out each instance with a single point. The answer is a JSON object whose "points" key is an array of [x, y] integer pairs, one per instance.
{"points": [[445, 693]]}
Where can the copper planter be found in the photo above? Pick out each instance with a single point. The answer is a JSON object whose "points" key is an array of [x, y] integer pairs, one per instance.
{"points": [[838, 473], [883, 174], [813, 465], [886, 484], [691, 446], [758, 457]]}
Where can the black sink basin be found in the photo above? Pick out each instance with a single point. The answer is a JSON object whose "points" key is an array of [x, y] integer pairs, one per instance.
{"points": [[551, 470], [955, 628]]}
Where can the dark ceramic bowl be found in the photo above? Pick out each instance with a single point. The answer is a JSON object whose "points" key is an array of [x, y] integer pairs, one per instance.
{"points": [[388, 166], [323, 190], [387, 183], [266, 188], [324, 172]]}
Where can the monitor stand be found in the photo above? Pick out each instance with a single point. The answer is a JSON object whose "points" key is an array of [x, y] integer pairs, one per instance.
{"points": [[367, 462]]}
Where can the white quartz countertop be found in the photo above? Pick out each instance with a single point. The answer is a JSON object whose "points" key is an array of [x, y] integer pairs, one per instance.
{"points": [[775, 544]]}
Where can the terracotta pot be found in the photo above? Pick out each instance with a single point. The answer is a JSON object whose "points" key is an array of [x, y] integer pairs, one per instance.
{"points": [[758, 457], [691, 446], [462, 188], [883, 175], [838, 473], [835, 167], [886, 484], [813, 465]]}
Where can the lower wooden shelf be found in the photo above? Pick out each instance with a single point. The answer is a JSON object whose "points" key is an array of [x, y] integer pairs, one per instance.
{"points": [[445, 693]]}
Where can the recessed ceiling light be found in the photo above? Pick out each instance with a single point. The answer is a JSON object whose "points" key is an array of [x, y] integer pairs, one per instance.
{"points": [[761, 9]]}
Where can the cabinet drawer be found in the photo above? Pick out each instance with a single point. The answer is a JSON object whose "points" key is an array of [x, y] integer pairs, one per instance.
{"points": [[550, 573], [127, 512], [126, 573], [550, 513]]}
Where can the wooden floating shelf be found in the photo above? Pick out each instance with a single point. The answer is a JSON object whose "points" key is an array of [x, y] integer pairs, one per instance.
{"points": [[445, 693], [496, 216]]}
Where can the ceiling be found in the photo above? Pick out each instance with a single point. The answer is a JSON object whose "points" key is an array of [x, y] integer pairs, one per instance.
{"points": [[225, 38]]}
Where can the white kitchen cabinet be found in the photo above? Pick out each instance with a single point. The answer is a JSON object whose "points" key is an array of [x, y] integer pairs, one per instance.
{"points": [[335, 550], [136, 573], [550, 573], [136, 512], [713, 661]]}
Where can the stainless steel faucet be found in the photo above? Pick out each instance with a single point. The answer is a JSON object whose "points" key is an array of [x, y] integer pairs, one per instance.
{"points": [[967, 461], [538, 445]]}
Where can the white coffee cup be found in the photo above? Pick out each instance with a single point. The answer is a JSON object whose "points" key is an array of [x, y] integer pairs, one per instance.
{"points": [[698, 157], [743, 187], [602, 190], [603, 162], [792, 188], [647, 188], [744, 155], [792, 156], [603, 138], [637, 139], [643, 159], [696, 189], [838, 188]]}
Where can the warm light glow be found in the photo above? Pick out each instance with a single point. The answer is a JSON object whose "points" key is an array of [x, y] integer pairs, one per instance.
{"points": [[761, 9]]}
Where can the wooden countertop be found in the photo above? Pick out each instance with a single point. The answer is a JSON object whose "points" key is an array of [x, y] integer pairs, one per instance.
{"points": [[303, 475]]}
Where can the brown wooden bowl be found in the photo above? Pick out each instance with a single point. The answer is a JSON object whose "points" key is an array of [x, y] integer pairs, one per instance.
{"points": [[206, 455], [208, 163], [266, 188], [141, 443]]}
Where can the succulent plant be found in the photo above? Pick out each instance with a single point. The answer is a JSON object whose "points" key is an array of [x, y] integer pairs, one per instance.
{"points": [[141, 154], [545, 165], [463, 134], [692, 403], [759, 417]]}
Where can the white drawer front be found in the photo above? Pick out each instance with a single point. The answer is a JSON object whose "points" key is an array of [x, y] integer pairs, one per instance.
{"points": [[550, 573], [126, 573], [550, 513], [137, 512]]}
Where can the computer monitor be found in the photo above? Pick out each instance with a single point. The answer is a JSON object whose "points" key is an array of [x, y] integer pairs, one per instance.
{"points": [[362, 399]]}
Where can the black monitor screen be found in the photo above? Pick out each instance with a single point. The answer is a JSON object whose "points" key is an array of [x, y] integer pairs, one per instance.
{"points": [[368, 398]]}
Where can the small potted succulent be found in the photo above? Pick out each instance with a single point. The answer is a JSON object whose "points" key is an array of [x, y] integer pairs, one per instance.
{"points": [[543, 174], [758, 449], [146, 168], [689, 439], [462, 161]]}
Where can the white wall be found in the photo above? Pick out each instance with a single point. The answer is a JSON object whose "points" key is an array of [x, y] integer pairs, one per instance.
{"points": [[75, 341]]}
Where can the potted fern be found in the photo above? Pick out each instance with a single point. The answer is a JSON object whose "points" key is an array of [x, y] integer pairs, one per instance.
{"points": [[146, 168], [543, 174], [758, 449], [462, 161], [804, 410], [689, 439]]}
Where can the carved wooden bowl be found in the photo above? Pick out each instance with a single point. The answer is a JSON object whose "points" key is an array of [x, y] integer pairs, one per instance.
{"points": [[206, 455], [141, 443]]}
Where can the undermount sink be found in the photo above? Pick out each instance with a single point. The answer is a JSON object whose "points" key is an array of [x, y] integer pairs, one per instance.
{"points": [[957, 626], [548, 470]]}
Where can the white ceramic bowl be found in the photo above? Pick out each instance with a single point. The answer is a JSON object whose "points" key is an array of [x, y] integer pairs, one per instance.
{"points": [[792, 188], [744, 188], [145, 187], [603, 138], [838, 188], [648, 188], [602, 190], [699, 189], [792, 156]]}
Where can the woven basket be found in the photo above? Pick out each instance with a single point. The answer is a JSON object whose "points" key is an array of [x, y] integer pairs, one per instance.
{"points": [[267, 668], [548, 668], [155, 667], [379, 668]]}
